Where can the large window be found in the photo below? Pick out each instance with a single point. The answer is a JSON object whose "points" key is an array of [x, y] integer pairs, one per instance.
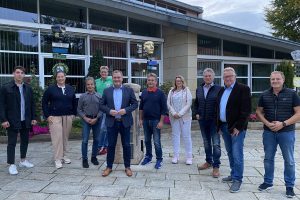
{"points": [[9, 60], [109, 48], [241, 71], [215, 65], [53, 12], [261, 76], [19, 40], [103, 21], [258, 52], [137, 27], [209, 45], [117, 64], [283, 55], [19, 10], [235, 49]]}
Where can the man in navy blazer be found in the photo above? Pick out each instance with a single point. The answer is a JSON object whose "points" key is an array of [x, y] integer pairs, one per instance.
{"points": [[118, 102]]}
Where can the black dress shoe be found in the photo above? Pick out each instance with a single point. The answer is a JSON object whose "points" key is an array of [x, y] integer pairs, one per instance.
{"points": [[94, 161], [85, 163]]}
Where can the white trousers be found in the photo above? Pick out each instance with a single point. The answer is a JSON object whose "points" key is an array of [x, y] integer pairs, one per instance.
{"points": [[180, 127]]}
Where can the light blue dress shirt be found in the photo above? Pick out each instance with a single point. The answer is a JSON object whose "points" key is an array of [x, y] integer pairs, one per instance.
{"points": [[118, 100], [22, 101], [224, 101]]}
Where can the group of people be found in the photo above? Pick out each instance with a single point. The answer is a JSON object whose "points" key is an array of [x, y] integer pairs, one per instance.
{"points": [[107, 108]]}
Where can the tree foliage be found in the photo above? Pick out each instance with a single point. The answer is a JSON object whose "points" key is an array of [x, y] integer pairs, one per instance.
{"points": [[96, 62], [288, 70], [284, 17]]}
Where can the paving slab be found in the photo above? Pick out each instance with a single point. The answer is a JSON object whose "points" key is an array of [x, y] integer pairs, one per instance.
{"points": [[66, 188]]}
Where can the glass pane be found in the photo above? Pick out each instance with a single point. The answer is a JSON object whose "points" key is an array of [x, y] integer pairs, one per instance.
{"points": [[283, 55], [243, 80], [209, 45], [141, 70], [9, 60], [262, 69], [76, 67], [137, 27], [19, 10], [141, 81], [19, 40], [103, 21], [235, 49], [116, 64], [53, 12], [77, 83], [257, 52], [109, 48], [260, 84], [135, 54], [4, 80], [77, 44], [202, 65], [240, 69]]}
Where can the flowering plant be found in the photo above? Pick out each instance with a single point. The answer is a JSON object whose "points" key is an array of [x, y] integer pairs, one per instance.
{"points": [[253, 117]]}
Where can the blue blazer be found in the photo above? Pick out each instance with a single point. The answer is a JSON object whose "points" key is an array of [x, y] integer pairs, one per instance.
{"points": [[129, 103]]}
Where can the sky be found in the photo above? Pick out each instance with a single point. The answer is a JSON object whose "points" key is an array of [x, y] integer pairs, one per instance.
{"points": [[244, 14]]}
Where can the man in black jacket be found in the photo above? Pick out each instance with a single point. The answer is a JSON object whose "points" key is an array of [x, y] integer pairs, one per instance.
{"points": [[17, 114], [233, 110], [205, 106]]}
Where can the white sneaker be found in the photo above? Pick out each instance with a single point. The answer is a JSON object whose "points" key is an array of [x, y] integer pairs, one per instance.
{"points": [[66, 160], [189, 161], [175, 160], [26, 163], [13, 170], [58, 164]]}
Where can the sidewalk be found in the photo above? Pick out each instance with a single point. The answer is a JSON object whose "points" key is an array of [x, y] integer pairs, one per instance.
{"points": [[172, 181]]}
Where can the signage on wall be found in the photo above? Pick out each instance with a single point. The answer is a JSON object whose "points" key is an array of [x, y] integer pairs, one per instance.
{"points": [[152, 65]]}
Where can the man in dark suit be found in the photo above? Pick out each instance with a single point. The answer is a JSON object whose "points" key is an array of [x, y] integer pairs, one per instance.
{"points": [[118, 102], [233, 110], [17, 114]]}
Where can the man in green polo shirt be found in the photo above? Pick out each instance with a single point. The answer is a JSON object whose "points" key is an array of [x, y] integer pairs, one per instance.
{"points": [[104, 82]]}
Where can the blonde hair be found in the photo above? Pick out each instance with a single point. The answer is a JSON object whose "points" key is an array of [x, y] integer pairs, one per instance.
{"points": [[183, 82], [103, 68]]}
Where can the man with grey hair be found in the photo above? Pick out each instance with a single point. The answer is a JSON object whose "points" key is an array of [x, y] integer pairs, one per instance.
{"points": [[89, 111], [205, 106], [279, 110], [233, 110]]}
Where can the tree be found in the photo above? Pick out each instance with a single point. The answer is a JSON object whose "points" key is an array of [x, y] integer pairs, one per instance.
{"points": [[288, 70], [96, 62], [284, 17]]}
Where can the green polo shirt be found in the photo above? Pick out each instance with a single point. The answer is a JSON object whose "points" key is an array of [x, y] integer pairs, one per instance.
{"points": [[102, 84]]}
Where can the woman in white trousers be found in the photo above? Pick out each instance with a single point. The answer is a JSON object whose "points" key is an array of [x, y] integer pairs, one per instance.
{"points": [[180, 113]]}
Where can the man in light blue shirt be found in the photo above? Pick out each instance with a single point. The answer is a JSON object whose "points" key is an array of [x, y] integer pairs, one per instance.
{"points": [[224, 101]]}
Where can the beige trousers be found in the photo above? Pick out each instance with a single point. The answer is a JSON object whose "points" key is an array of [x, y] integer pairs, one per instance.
{"points": [[60, 129]]}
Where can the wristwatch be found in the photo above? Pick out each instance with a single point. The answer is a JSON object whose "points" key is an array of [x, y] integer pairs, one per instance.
{"points": [[283, 124]]}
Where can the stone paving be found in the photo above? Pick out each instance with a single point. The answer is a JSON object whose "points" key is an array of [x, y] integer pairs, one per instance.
{"points": [[172, 181]]}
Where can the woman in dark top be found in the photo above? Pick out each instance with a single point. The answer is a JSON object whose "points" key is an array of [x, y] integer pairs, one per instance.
{"points": [[59, 107]]}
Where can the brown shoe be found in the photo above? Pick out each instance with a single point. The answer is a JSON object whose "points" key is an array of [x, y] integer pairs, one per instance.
{"points": [[128, 171], [206, 165], [106, 172], [216, 172]]}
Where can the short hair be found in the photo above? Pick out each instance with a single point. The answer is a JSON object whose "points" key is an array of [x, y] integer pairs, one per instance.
{"points": [[20, 68], [229, 69], [152, 75], [104, 68], [183, 82], [89, 79], [116, 72], [278, 72], [209, 70]]}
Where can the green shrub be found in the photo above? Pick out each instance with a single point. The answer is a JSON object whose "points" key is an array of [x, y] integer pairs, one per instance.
{"points": [[288, 70]]}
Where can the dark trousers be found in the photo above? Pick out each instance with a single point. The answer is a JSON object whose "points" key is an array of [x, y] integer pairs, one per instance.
{"points": [[12, 135], [112, 136]]}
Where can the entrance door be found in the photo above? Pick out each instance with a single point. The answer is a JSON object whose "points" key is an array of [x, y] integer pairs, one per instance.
{"points": [[75, 77]]}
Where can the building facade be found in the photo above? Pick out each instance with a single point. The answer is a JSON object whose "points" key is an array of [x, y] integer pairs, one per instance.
{"points": [[185, 44]]}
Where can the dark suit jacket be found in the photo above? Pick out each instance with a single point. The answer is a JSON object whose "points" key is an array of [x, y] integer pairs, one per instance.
{"points": [[129, 103], [10, 105], [238, 107]]}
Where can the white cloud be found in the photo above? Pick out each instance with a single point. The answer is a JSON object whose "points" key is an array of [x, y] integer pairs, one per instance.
{"points": [[245, 14]]}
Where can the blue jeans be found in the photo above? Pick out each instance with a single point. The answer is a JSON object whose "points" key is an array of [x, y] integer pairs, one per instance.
{"points": [[149, 130], [103, 134], [112, 136], [211, 141], [235, 150], [86, 128], [286, 142]]}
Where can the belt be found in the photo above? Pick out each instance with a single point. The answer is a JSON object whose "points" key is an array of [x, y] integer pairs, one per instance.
{"points": [[91, 116], [118, 119]]}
